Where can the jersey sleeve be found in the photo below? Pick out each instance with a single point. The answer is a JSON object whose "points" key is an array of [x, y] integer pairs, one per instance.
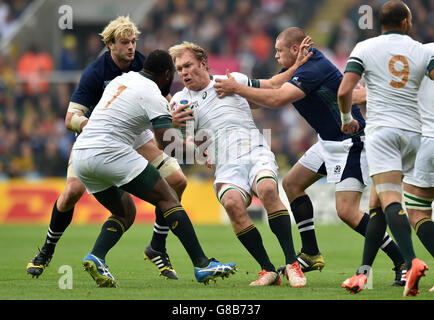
{"points": [[245, 80], [430, 53], [307, 78], [88, 92], [355, 62], [158, 111]]}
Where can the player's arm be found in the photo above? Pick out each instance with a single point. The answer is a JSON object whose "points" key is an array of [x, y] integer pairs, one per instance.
{"points": [[169, 139], [345, 102], [270, 98], [75, 118]]}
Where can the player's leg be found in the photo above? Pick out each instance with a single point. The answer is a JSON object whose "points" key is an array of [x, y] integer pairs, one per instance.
{"points": [[348, 196], [418, 202], [150, 187], [265, 187], [155, 251], [61, 217], [389, 190], [235, 200], [295, 182], [419, 193], [123, 212]]}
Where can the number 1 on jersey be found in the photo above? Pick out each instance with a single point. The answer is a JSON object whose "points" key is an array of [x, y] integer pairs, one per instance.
{"points": [[403, 74], [120, 89]]}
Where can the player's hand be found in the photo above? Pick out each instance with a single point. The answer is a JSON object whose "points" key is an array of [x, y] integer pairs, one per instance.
{"points": [[359, 95], [180, 116], [304, 54], [350, 127], [208, 161], [225, 87]]}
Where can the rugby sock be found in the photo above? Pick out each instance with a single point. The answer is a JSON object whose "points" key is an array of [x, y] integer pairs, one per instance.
{"points": [[161, 231], [302, 210], [58, 224], [179, 222], [425, 231], [280, 224], [252, 241], [387, 244], [400, 227], [110, 234], [375, 231]]}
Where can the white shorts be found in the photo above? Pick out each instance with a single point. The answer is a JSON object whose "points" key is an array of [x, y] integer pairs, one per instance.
{"points": [[423, 174], [391, 149], [143, 138], [243, 174], [339, 160], [101, 169]]}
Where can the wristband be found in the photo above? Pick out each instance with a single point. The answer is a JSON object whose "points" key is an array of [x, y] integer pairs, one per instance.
{"points": [[346, 118]]}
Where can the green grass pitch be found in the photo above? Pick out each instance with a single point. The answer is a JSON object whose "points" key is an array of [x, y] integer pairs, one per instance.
{"points": [[139, 280]]}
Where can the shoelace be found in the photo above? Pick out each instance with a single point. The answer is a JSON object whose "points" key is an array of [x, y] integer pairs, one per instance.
{"points": [[165, 258], [42, 258]]}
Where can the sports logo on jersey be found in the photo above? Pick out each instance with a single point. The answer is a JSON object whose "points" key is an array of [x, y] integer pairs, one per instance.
{"points": [[337, 169], [204, 95], [106, 83]]}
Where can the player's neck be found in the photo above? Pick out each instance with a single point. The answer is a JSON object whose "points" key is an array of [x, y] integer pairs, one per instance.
{"points": [[122, 64]]}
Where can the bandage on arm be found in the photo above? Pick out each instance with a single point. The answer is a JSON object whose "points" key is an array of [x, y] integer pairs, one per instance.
{"points": [[75, 119]]}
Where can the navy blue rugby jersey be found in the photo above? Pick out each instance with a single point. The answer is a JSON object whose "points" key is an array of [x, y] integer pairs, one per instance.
{"points": [[97, 75], [320, 79]]}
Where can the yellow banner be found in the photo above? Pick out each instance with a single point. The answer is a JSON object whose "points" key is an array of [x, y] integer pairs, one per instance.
{"points": [[26, 201]]}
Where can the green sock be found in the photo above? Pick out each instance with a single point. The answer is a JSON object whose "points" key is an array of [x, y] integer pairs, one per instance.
{"points": [[400, 227], [179, 222], [110, 234], [252, 241], [425, 231], [280, 225]]}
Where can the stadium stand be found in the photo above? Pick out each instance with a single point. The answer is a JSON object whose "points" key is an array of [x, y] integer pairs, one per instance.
{"points": [[237, 34]]}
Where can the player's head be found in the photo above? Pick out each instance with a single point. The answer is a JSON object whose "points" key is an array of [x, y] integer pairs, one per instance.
{"points": [[191, 63], [159, 65], [288, 45], [396, 15], [120, 37]]}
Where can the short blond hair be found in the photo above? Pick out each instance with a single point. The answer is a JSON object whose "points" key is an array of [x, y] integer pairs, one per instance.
{"points": [[121, 27], [200, 53]]}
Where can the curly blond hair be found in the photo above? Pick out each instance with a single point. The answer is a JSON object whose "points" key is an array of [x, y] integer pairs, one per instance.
{"points": [[121, 27]]}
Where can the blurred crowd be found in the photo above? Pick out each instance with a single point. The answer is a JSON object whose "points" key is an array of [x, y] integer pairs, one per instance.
{"points": [[238, 35]]}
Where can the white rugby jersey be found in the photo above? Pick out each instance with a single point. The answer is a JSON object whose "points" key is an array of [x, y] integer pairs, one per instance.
{"points": [[228, 122], [125, 110], [426, 100], [393, 66]]}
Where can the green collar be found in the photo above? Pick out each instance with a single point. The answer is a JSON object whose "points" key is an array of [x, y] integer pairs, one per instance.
{"points": [[394, 32], [146, 75]]}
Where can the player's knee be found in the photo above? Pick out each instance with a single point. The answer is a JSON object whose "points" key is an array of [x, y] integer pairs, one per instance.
{"points": [[348, 213], [267, 192], [290, 187], [178, 182], [73, 192]]}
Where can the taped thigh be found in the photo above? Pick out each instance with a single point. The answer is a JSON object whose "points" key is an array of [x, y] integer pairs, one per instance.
{"points": [[227, 187], [417, 203], [264, 175], [388, 187], [166, 165]]}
